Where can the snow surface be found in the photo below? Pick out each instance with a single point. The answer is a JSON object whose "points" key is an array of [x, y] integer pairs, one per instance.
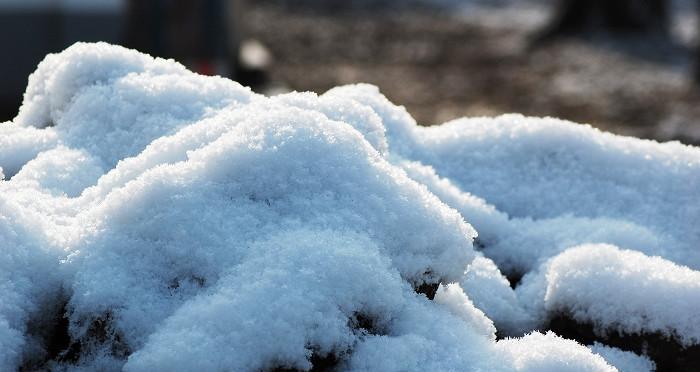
{"points": [[624, 361], [491, 292], [549, 352], [621, 290], [173, 218]]}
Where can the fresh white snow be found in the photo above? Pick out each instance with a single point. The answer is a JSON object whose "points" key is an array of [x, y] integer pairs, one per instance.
{"points": [[621, 290], [174, 218], [624, 361]]}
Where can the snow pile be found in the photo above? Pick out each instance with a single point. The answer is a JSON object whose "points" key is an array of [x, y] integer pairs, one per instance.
{"points": [[548, 352], [519, 245], [623, 290], [275, 304], [624, 361], [279, 169], [491, 292], [546, 168], [27, 272], [151, 217], [18, 145], [113, 104]]}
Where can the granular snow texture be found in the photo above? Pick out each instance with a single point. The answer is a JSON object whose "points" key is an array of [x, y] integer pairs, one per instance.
{"points": [[155, 219]]}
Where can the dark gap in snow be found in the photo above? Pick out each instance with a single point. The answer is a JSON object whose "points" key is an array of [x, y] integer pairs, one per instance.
{"points": [[500, 335], [666, 352], [255, 198], [177, 282], [362, 323], [58, 339], [365, 324], [320, 363], [428, 289], [10, 171], [99, 335], [478, 244], [514, 278], [54, 336], [324, 363]]}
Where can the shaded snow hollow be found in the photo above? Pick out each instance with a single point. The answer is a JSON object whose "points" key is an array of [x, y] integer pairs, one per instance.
{"points": [[154, 219]]}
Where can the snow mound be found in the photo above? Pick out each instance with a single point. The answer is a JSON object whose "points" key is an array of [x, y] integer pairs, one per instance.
{"points": [[275, 304], [18, 145], [549, 353], [624, 361], [491, 292], [531, 168], [113, 102], [151, 217], [623, 290], [520, 245]]}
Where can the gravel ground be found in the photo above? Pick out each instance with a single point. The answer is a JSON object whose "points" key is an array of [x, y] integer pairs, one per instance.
{"points": [[444, 65]]}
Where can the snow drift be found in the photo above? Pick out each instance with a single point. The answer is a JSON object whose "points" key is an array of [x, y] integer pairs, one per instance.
{"points": [[155, 219]]}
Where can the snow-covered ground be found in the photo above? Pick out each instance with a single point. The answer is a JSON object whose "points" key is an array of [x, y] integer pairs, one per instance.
{"points": [[155, 219]]}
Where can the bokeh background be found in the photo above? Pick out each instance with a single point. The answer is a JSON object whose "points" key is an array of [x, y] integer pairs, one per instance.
{"points": [[626, 66]]}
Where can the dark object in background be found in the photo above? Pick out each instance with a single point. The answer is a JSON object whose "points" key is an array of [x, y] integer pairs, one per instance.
{"points": [[29, 32], [642, 18], [202, 34], [696, 67], [576, 17]]}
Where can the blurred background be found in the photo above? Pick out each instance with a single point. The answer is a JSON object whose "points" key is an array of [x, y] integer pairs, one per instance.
{"points": [[627, 66]]}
